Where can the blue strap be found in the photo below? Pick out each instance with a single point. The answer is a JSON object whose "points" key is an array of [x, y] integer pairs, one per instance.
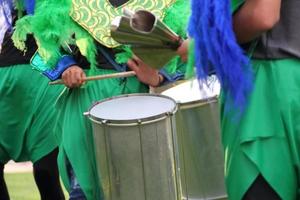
{"points": [[169, 78], [65, 62], [111, 60]]}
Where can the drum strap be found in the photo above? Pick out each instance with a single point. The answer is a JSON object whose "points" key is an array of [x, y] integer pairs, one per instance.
{"points": [[111, 60]]}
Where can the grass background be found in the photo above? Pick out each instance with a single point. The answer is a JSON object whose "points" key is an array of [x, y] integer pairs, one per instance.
{"points": [[21, 186]]}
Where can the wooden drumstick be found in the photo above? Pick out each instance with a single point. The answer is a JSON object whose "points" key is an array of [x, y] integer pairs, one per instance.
{"points": [[99, 77]]}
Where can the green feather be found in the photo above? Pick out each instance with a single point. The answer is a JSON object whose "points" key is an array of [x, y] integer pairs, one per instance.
{"points": [[190, 69], [53, 28], [125, 55]]}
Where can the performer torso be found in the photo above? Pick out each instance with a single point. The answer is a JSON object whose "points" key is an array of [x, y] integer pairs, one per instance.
{"points": [[282, 41]]}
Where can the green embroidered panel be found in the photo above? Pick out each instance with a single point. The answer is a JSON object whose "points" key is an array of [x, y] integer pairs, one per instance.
{"points": [[96, 15]]}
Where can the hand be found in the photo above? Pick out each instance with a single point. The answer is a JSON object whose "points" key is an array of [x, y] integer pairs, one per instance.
{"points": [[182, 51], [73, 76], [145, 73]]}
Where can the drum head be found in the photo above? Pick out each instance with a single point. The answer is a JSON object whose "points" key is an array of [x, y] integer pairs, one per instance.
{"points": [[135, 107], [191, 91]]}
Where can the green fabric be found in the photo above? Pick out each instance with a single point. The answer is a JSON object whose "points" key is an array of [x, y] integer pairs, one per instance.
{"points": [[266, 140], [235, 4], [76, 129], [175, 66], [190, 69], [27, 114]]}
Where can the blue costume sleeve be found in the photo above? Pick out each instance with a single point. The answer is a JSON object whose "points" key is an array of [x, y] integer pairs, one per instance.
{"points": [[65, 62], [173, 71], [169, 78]]}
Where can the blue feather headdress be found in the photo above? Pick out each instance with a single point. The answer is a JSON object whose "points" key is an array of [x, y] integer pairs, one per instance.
{"points": [[215, 46]]}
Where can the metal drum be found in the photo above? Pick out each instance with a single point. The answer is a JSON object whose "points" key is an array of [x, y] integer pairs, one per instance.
{"points": [[136, 148], [198, 133]]}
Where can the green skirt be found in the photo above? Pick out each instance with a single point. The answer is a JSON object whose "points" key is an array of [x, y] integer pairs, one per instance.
{"points": [[76, 139], [27, 114], [266, 140]]}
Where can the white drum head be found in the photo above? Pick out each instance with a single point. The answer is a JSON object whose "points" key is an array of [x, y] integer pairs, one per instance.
{"points": [[191, 91], [132, 107]]}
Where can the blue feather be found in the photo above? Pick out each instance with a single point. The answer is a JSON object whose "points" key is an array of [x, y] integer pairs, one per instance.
{"points": [[29, 6], [215, 46]]}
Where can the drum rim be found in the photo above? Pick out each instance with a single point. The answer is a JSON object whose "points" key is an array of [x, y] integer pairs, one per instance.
{"points": [[131, 122], [198, 103]]}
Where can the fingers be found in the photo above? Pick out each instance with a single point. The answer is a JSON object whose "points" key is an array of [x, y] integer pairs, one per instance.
{"points": [[83, 77], [133, 65], [73, 77], [182, 51], [137, 59]]}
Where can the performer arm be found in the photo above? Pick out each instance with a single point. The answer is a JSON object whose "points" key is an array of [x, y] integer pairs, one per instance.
{"points": [[153, 77], [254, 18]]}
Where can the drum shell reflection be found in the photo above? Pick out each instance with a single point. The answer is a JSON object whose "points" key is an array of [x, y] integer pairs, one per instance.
{"points": [[199, 140], [137, 159]]}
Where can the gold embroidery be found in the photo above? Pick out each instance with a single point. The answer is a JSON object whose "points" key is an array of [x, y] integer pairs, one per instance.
{"points": [[96, 15]]}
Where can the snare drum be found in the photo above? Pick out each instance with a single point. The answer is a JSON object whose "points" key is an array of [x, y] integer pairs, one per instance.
{"points": [[198, 133], [136, 148]]}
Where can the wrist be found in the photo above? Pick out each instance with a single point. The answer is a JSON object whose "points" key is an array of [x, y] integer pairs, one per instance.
{"points": [[64, 63], [160, 80]]}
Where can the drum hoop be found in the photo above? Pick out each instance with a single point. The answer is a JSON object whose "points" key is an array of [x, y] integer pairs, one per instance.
{"points": [[132, 122], [198, 103], [122, 123]]}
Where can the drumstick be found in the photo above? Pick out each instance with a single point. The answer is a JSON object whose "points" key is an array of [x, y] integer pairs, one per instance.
{"points": [[99, 77]]}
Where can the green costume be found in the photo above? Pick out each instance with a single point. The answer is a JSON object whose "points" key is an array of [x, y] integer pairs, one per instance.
{"points": [[26, 104], [266, 139], [27, 114], [76, 145]]}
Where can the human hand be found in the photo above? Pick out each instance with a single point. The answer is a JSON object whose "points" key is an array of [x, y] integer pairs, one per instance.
{"points": [[145, 73], [182, 50], [73, 76]]}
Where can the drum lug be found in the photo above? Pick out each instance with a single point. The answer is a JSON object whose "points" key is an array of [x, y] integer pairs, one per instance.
{"points": [[169, 113], [86, 113]]}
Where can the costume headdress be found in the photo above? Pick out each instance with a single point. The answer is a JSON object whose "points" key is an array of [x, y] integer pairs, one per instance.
{"points": [[53, 27]]}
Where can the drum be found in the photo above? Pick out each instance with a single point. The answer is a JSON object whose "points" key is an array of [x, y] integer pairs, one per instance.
{"points": [[198, 133], [136, 148]]}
